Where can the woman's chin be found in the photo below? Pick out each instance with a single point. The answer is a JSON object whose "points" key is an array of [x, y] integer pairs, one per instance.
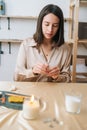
{"points": [[48, 37]]}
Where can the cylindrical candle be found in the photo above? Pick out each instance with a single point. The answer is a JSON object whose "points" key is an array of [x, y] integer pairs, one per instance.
{"points": [[73, 104], [31, 109]]}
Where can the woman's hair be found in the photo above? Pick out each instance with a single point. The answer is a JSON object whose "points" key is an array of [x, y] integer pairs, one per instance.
{"points": [[59, 36]]}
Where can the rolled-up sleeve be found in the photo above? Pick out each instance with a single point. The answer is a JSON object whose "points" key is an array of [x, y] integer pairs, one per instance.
{"points": [[65, 74], [22, 73]]}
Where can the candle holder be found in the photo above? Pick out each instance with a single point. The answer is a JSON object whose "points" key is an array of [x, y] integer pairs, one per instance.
{"points": [[73, 102], [32, 107]]}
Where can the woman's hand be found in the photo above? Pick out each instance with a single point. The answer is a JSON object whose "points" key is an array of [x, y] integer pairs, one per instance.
{"points": [[40, 69], [54, 72], [44, 69]]}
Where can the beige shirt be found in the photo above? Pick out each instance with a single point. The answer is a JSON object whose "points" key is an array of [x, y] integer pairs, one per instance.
{"points": [[29, 56]]}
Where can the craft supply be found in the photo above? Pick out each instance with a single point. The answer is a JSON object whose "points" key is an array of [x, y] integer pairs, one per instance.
{"points": [[31, 108], [2, 7], [16, 98], [13, 88], [73, 103]]}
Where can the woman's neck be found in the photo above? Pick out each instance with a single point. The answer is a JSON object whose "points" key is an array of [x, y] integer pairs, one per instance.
{"points": [[47, 47], [47, 42]]}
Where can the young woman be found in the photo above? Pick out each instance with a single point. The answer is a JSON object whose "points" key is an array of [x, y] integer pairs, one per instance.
{"points": [[45, 56]]}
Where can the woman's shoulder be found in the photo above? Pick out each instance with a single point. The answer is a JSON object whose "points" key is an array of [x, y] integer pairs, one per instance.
{"points": [[29, 42], [66, 46]]}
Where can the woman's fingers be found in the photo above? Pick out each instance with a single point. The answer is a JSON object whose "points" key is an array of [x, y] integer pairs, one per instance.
{"points": [[45, 70], [40, 68], [54, 71]]}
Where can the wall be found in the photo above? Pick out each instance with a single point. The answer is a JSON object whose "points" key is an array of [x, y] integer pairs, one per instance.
{"points": [[20, 29], [33, 7]]}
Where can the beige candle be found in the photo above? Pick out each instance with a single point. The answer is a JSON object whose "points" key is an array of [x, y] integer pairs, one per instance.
{"points": [[31, 108]]}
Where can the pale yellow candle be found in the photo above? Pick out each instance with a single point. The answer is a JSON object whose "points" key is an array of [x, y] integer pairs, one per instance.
{"points": [[31, 108]]}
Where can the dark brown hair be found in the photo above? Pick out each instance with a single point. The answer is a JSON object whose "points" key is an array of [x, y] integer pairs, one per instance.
{"points": [[59, 36]]}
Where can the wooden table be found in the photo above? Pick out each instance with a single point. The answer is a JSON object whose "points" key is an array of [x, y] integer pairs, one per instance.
{"points": [[51, 93]]}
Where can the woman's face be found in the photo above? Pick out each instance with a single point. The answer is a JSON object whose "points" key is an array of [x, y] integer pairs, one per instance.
{"points": [[50, 26]]}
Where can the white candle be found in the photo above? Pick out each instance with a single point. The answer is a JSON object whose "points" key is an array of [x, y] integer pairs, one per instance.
{"points": [[31, 108], [73, 104]]}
